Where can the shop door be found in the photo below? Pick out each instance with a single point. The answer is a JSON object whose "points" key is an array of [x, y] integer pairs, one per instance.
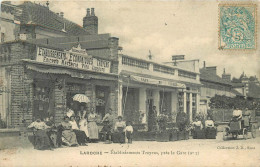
{"points": [[102, 93], [43, 99]]}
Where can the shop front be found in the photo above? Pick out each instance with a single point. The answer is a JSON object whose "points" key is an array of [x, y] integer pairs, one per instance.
{"points": [[56, 76], [145, 98]]}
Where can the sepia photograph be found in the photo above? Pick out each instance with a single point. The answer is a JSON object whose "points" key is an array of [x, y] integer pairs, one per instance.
{"points": [[129, 83]]}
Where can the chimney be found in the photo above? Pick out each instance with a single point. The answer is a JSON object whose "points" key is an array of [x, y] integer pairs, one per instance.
{"points": [[88, 12], [226, 77], [92, 12], [61, 14], [90, 22], [212, 70], [204, 64]]}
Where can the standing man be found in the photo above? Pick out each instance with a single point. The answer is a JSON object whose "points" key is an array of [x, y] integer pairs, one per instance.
{"points": [[152, 119], [108, 124]]}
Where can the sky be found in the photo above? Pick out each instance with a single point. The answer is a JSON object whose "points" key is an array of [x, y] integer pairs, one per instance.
{"points": [[166, 28]]}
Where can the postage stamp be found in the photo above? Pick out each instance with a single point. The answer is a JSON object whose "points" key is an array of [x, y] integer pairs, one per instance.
{"points": [[237, 26]]}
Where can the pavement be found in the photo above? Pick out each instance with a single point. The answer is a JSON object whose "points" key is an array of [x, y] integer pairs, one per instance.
{"points": [[192, 152]]}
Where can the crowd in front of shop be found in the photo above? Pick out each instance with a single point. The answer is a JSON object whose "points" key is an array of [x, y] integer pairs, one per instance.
{"points": [[79, 128]]}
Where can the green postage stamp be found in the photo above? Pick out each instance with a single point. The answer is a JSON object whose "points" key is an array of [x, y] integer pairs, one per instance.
{"points": [[237, 26]]}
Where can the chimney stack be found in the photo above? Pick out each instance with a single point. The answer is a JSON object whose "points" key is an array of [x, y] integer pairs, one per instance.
{"points": [[88, 12], [226, 77], [61, 14], [212, 70], [90, 22], [92, 12], [204, 64]]}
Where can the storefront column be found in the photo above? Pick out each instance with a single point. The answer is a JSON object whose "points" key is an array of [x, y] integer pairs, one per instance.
{"points": [[120, 98], [174, 101], [142, 101], [197, 103], [190, 107], [184, 102], [156, 97]]}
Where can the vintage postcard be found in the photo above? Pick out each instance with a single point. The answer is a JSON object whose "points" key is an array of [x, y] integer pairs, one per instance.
{"points": [[129, 83]]}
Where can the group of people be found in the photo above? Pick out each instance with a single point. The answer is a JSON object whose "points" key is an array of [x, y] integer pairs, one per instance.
{"points": [[79, 128]]}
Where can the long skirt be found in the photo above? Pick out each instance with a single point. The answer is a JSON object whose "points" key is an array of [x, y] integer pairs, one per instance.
{"points": [[69, 137], [119, 137], [53, 137], [93, 130], [42, 140], [85, 129], [81, 136]]}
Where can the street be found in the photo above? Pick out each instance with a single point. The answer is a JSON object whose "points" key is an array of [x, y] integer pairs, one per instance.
{"points": [[192, 152]]}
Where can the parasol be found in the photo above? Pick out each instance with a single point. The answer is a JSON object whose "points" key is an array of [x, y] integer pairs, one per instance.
{"points": [[81, 98]]}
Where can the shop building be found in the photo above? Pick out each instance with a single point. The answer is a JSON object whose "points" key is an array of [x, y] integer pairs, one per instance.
{"points": [[46, 59], [40, 80], [145, 83]]}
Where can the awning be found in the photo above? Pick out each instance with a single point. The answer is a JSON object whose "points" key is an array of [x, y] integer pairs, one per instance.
{"points": [[156, 82], [51, 69]]}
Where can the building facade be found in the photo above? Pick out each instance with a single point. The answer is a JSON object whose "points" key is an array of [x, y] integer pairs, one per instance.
{"points": [[144, 84], [45, 62], [212, 85]]}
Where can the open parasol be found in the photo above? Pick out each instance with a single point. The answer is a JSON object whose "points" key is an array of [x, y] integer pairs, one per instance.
{"points": [[81, 98]]}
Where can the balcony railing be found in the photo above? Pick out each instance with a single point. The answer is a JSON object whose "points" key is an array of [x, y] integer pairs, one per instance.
{"points": [[163, 69], [135, 62], [186, 74]]}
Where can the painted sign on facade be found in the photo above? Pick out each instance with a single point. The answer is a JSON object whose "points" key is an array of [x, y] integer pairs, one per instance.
{"points": [[78, 60], [158, 82]]}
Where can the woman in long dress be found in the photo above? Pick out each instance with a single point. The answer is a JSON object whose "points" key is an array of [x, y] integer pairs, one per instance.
{"points": [[119, 135], [83, 125], [80, 135], [42, 140], [68, 136], [92, 125]]}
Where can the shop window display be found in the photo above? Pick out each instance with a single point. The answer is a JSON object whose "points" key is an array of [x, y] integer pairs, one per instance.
{"points": [[42, 100]]}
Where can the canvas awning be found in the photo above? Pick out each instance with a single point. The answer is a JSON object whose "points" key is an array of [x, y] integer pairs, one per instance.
{"points": [[157, 82], [83, 74]]}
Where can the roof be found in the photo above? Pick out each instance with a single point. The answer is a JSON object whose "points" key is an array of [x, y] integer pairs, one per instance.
{"points": [[253, 90], [237, 85], [236, 92], [86, 42], [39, 15], [208, 76]]}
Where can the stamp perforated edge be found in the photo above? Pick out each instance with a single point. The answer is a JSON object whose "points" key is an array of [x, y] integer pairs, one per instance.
{"points": [[237, 4]]}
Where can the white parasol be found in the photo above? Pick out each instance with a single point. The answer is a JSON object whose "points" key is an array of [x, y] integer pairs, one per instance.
{"points": [[81, 98]]}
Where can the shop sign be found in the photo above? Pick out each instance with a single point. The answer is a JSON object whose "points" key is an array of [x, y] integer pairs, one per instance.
{"points": [[157, 82], [75, 58]]}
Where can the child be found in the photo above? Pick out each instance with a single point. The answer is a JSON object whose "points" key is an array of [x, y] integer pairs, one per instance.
{"points": [[129, 132]]}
